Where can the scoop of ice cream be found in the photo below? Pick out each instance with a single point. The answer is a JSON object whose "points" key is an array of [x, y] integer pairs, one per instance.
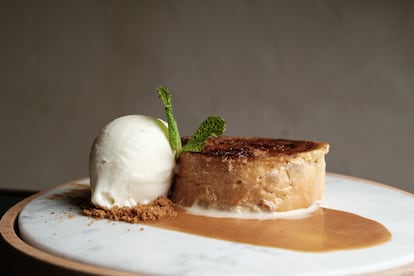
{"points": [[131, 162]]}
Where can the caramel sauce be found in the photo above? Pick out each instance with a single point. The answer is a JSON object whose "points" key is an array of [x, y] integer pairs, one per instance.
{"points": [[323, 230]]}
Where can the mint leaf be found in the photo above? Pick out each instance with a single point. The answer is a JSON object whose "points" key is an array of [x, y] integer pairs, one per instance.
{"points": [[174, 137], [212, 126]]}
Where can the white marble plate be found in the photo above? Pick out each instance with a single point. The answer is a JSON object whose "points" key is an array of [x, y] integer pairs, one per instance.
{"points": [[56, 227]]}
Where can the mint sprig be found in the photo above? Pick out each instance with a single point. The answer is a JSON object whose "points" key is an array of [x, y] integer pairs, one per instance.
{"points": [[212, 126]]}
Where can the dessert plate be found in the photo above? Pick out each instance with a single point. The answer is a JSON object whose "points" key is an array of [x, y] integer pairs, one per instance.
{"points": [[52, 228]]}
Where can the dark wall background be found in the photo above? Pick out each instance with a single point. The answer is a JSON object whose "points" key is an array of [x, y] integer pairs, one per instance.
{"points": [[337, 71]]}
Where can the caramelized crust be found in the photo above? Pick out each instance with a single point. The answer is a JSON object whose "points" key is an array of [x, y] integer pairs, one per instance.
{"points": [[254, 147], [251, 174]]}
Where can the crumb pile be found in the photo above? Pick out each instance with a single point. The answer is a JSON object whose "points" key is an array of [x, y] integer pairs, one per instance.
{"points": [[160, 208]]}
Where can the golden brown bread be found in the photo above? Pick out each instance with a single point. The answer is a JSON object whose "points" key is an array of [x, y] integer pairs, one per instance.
{"points": [[241, 174]]}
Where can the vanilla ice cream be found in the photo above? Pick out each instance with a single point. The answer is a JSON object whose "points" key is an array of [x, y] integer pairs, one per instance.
{"points": [[131, 162]]}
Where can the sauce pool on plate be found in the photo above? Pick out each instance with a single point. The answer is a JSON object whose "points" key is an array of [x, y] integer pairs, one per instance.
{"points": [[323, 230]]}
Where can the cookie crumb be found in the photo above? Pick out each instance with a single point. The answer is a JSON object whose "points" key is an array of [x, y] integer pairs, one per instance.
{"points": [[160, 208]]}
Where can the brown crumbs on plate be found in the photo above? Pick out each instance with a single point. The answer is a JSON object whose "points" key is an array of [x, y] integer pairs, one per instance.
{"points": [[160, 208]]}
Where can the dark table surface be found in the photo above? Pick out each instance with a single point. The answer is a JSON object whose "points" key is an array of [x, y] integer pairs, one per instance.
{"points": [[10, 197]]}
